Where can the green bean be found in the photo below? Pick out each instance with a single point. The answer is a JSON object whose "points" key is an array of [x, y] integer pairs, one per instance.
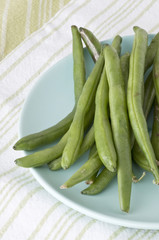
{"points": [[120, 125], [134, 98], [155, 127], [78, 63], [151, 51], [76, 130], [124, 63], [149, 95], [84, 172], [35, 140], [93, 149], [86, 144], [55, 164], [155, 130], [93, 45], [102, 128], [156, 74], [42, 157], [116, 43], [101, 182], [139, 158]]}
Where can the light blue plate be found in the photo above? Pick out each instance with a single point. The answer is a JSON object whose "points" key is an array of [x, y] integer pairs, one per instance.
{"points": [[50, 100]]}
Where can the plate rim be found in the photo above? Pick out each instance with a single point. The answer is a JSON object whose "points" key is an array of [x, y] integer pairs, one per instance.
{"points": [[70, 203]]}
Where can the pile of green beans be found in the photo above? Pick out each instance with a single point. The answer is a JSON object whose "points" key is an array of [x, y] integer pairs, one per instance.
{"points": [[109, 118]]}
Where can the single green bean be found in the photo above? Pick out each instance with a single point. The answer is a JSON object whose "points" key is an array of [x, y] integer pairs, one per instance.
{"points": [[116, 43], [124, 63], [156, 74], [102, 128], [84, 172], [42, 157], [155, 127], [149, 95], [86, 144], [79, 73], [93, 45], [93, 149], [151, 52], [76, 131], [101, 182], [120, 125], [134, 98], [35, 140]]}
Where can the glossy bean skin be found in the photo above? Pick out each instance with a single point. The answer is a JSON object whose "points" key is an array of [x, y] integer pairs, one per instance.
{"points": [[103, 133], [92, 43], [76, 131], [84, 172], [120, 125], [134, 98], [100, 183], [47, 136], [87, 143], [47, 155], [151, 52]]}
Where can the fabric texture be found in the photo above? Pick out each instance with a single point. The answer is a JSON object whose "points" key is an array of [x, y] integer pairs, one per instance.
{"points": [[34, 35]]}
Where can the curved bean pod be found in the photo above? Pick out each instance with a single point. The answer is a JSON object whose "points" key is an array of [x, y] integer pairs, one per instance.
{"points": [[134, 98], [84, 172], [79, 73], [102, 128], [101, 182], [149, 96], [120, 125], [116, 43], [35, 140]]}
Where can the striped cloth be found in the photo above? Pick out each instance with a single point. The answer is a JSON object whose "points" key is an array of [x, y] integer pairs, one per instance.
{"points": [[27, 211]]}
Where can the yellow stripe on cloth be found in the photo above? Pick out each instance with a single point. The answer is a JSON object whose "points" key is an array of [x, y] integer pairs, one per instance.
{"points": [[18, 19]]}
